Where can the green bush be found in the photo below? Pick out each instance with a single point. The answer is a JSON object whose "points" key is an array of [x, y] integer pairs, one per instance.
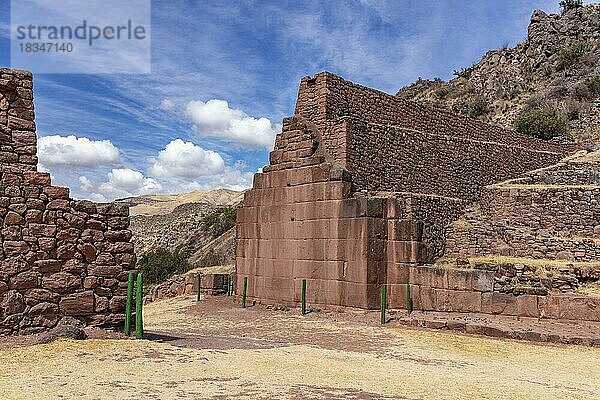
{"points": [[160, 264], [541, 124], [593, 84], [478, 106], [571, 55], [220, 221], [567, 5]]}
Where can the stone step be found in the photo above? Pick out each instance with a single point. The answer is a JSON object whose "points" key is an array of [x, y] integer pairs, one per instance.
{"points": [[501, 326]]}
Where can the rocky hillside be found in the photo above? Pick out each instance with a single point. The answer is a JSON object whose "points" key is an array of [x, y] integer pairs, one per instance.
{"points": [[191, 222], [556, 69]]}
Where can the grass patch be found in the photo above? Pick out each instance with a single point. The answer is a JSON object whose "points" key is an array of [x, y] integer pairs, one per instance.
{"points": [[571, 55]]}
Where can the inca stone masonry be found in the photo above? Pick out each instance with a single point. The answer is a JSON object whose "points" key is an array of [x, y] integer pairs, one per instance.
{"points": [[365, 189], [59, 257]]}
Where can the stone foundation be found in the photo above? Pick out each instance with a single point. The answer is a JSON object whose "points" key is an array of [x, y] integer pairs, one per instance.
{"points": [[60, 257]]}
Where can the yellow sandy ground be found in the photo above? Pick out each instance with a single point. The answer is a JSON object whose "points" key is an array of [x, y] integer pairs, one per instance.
{"points": [[385, 363]]}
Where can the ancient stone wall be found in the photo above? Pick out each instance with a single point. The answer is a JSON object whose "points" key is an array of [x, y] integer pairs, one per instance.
{"points": [[363, 190], [396, 145], [60, 258], [542, 222]]}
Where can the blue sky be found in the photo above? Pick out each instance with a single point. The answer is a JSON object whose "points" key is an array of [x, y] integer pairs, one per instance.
{"points": [[225, 73]]}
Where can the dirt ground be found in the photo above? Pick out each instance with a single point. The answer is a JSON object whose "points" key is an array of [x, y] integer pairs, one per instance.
{"points": [[216, 350]]}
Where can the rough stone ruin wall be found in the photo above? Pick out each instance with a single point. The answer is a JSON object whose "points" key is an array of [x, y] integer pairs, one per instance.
{"points": [[60, 258], [324, 210]]}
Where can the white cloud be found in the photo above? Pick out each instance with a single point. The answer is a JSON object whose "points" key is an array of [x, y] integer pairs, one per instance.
{"points": [[167, 104], [232, 178], [72, 151], [129, 181], [186, 160], [216, 118], [124, 182], [85, 184]]}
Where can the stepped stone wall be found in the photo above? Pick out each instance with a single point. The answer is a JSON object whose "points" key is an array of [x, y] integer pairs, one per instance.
{"points": [[59, 257], [365, 189], [393, 144]]}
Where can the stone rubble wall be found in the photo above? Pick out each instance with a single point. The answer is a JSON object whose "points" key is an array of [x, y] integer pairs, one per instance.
{"points": [[187, 284], [59, 258], [550, 213], [396, 145]]}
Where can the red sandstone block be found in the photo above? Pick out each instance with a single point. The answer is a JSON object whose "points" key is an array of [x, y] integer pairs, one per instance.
{"points": [[37, 178], [527, 306], [360, 295], [337, 293], [303, 268], [462, 301], [265, 248], [408, 230], [398, 273], [258, 182], [348, 208], [282, 268], [415, 294], [459, 279], [391, 208], [396, 296], [580, 308], [376, 227], [55, 192], [303, 249], [429, 276], [400, 251], [371, 272], [278, 179], [278, 288], [427, 298], [499, 303], [263, 267]]}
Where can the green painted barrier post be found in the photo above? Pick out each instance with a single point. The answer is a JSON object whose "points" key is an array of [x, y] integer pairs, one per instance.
{"points": [[303, 296], [199, 282], [229, 291], [244, 292], [408, 299], [129, 304], [139, 323], [383, 302]]}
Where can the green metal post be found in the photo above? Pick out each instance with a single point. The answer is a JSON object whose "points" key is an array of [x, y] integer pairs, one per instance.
{"points": [[129, 304], [139, 323], [199, 281], [244, 292], [303, 296], [228, 285], [408, 299], [383, 302]]}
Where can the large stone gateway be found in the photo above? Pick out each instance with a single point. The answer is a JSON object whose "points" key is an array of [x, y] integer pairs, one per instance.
{"points": [[60, 258], [362, 189]]}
